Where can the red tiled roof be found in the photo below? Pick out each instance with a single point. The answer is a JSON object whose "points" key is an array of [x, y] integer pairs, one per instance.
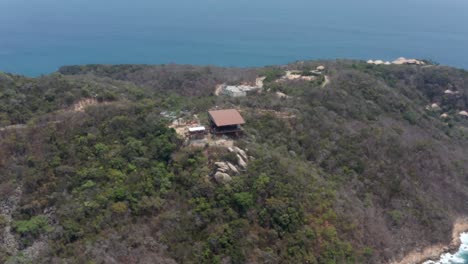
{"points": [[226, 117]]}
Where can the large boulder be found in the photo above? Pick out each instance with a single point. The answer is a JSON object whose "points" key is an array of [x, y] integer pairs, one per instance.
{"points": [[241, 162], [222, 178], [281, 95], [232, 167], [448, 91], [241, 152]]}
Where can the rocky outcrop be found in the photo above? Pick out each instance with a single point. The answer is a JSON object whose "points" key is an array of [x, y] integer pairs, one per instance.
{"points": [[242, 157], [399, 61], [9, 242], [222, 166], [403, 60], [224, 169]]}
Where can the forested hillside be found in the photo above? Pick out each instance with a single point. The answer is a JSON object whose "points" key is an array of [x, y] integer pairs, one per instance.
{"points": [[360, 167]]}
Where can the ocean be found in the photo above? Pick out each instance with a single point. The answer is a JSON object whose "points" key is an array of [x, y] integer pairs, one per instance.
{"points": [[460, 257], [37, 37]]}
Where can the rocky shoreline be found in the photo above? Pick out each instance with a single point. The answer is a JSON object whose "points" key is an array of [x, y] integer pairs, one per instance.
{"points": [[434, 252]]}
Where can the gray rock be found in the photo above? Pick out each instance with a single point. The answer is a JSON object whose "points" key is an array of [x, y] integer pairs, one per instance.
{"points": [[222, 166], [241, 162], [281, 95], [241, 152], [232, 167], [222, 178]]}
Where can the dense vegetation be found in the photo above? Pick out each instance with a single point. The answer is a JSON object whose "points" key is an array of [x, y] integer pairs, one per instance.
{"points": [[358, 171]]}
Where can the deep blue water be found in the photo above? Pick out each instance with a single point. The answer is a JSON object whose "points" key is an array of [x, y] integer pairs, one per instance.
{"points": [[37, 37]]}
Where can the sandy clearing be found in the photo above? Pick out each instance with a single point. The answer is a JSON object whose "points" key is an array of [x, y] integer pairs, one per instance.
{"points": [[212, 141], [245, 86]]}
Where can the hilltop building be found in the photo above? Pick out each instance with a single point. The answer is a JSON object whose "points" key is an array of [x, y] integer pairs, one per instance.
{"points": [[227, 121]]}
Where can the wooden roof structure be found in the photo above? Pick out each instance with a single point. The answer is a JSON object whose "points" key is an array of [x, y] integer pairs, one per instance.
{"points": [[226, 117]]}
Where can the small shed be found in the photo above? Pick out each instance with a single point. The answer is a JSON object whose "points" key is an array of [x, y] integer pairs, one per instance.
{"points": [[227, 121], [197, 132]]}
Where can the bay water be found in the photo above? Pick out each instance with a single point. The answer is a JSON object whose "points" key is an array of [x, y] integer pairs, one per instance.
{"points": [[37, 37]]}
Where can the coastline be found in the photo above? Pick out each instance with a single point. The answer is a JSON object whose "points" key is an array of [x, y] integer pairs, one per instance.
{"points": [[434, 252]]}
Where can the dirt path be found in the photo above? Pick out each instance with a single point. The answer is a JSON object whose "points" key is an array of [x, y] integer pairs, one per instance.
{"points": [[80, 106], [435, 251], [212, 142], [326, 82], [13, 127], [259, 82], [218, 89]]}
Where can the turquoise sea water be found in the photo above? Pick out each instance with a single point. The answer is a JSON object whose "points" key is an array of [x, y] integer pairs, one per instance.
{"points": [[37, 37], [460, 257]]}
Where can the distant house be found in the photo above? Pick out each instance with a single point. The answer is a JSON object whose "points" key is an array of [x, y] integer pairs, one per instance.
{"points": [[227, 121]]}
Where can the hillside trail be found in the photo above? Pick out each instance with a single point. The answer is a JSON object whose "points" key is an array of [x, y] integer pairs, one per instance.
{"points": [[13, 127], [326, 82], [80, 106]]}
